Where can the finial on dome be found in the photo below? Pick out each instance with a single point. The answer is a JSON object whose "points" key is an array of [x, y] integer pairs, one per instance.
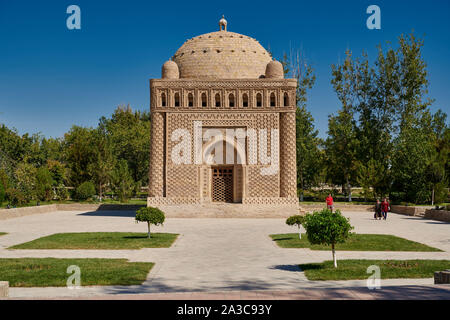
{"points": [[223, 23]]}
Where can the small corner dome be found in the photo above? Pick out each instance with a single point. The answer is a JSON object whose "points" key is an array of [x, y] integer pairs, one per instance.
{"points": [[170, 70], [274, 69]]}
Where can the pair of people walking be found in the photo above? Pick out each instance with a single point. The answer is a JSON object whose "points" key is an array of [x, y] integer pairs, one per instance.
{"points": [[381, 209]]}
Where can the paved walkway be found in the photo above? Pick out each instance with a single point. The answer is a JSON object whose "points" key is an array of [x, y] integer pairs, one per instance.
{"points": [[435, 292], [217, 255]]}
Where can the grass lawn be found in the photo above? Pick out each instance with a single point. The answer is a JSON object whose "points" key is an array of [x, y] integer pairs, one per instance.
{"points": [[356, 242], [52, 272], [2, 233], [100, 240], [357, 269]]}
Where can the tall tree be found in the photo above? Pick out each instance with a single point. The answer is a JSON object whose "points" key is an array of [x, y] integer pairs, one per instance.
{"points": [[129, 132], [103, 160], [309, 155], [79, 149], [414, 147], [44, 184], [25, 175], [122, 181], [341, 149]]}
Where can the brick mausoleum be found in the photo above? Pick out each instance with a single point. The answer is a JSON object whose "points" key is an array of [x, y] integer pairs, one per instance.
{"points": [[222, 125]]}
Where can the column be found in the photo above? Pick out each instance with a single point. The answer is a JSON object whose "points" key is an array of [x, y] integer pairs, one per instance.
{"points": [[288, 155], [156, 173]]}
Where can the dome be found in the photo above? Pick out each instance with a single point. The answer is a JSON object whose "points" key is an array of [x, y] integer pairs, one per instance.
{"points": [[170, 70], [274, 69], [222, 55]]}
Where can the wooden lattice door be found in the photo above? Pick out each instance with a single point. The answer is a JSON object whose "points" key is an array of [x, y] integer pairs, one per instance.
{"points": [[222, 184]]}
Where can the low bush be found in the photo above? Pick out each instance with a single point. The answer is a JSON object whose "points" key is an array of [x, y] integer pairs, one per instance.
{"points": [[150, 215], [85, 191]]}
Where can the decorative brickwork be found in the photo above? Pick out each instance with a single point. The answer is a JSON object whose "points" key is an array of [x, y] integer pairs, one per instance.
{"points": [[288, 186], [221, 83], [156, 182]]}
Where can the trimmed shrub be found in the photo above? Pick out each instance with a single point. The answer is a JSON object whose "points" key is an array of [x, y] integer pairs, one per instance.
{"points": [[326, 227], [296, 220], [85, 191], [150, 215]]}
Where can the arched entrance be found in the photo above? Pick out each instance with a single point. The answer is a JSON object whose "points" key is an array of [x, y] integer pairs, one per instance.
{"points": [[222, 179]]}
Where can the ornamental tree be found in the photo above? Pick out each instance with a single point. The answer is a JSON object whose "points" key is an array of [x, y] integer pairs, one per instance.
{"points": [[150, 215], [328, 228], [296, 220]]}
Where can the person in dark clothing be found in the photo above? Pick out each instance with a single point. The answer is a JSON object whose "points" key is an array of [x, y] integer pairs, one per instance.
{"points": [[384, 208], [377, 214]]}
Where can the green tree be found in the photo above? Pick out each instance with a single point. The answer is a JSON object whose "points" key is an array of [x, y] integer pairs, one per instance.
{"points": [[44, 184], [328, 228], [122, 182], [341, 148], [372, 178], [130, 139], [296, 220], [25, 175], [437, 169], [85, 191], [4, 185], [414, 145], [150, 215], [58, 172], [79, 150], [103, 161], [309, 155]]}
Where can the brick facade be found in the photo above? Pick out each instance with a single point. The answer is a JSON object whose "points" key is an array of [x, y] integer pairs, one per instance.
{"points": [[215, 79]]}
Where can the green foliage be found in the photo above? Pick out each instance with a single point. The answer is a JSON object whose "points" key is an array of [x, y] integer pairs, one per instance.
{"points": [[44, 183], [309, 155], [149, 214], [295, 220], [328, 228], [341, 148], [122, 182], [79, 149], [57, 170], [85, 191], [61, 193], [4, 185], [103, 160], [16, 197], [153, 216], [372, 178], [401, 148], [129, 133], [25, 175]]}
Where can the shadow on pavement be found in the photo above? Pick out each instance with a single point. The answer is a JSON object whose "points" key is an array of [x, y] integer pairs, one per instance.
{"points": [[111, 213]]}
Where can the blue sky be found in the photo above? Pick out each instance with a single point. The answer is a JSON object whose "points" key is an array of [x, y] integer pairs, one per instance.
{"points": [[52, 77]]}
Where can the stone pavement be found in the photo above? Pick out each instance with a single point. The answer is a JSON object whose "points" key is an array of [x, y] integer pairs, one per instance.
{"points": [[221, 255], [414, 292]]}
